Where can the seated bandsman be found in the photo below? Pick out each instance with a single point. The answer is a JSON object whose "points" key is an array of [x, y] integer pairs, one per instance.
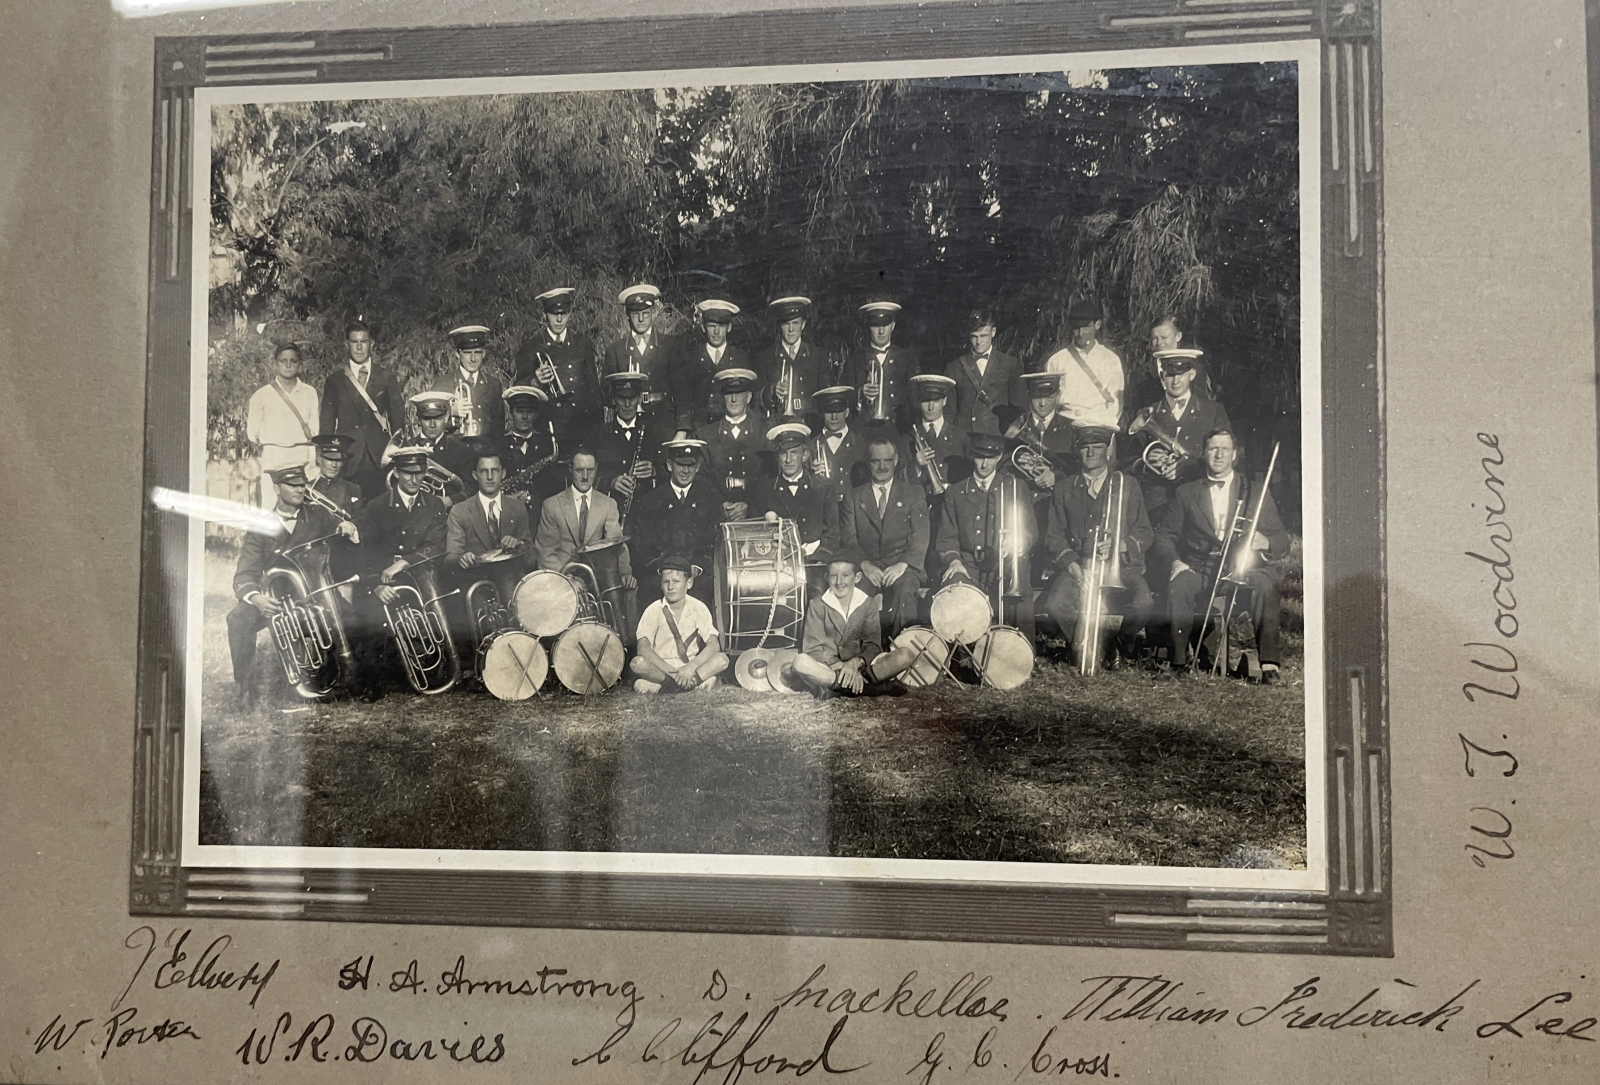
{"points": [[578, 517], [677, 643], [643, 348], [986, 531], [796, 494], [841, 449], [1178, 422], [402, 527], [332, 448], [1191, 534], [450, 458], [736, 447], [489, 522], [476, 406], [681, 517], [842, 645], [880, 370], [628, 447], [1092, 375], [1079, 530], [792, 368], [301, 523], [884, 523], [694, 392], [560, 363]]}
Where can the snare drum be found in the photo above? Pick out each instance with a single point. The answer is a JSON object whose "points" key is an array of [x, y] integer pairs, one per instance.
{"points": [[588, 658], [1003, 656], [547, 603], [760, 585], [960, 613], [932, 654], [512, 664]]}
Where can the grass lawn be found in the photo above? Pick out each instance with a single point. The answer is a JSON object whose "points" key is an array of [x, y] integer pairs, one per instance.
{"points": [[1131, 767]]}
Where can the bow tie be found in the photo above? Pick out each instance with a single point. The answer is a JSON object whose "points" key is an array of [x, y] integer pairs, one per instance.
{"points": [[1215, 483]]}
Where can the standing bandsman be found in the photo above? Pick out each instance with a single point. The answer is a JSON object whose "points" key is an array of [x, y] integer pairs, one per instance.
{"points": [[560, 363], [791, 368], [682, 515], [333, 450], [529, 445], [694, 393], [881, 370], [736, 447], [628, 448], [1081, 506], [257, 553], [362, 399], [797, 494], [450, 457], [642, 348], [987, 380], [884, 523], [972, 547], [280, 418], [1185, 415], [1191, 535], [840, 454], [1092, 376], [934, 437], [476, 406]]}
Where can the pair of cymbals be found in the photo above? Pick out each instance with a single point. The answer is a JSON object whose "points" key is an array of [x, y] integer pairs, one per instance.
{"points": [[761, 670]]}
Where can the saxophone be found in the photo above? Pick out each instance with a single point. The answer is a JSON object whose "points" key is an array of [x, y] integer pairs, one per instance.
{"points": [[520, 484]]}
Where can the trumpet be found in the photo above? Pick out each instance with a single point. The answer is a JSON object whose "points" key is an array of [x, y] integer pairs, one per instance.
{"points": [[1101, 574], [422, 633], [875, 376], [822, 462], [558, 390], [439, 479], [308, 630], [1164, 454], [467, 422], [934, 469], [792, 402]]}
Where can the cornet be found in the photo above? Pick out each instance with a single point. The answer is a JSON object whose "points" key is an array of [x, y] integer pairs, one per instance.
{"points": [[875, 376], [467, 422], [934, 469], [558, 389]]}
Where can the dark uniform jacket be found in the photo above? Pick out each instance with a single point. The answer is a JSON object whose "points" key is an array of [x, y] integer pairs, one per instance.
{"points": [[900, 535], [683, 528], [519, 454], [344, 411], [1075, 515], [342, 492], [694, 396], [988, 403], [389, 530], [811, 375], [847, 466], [745, 457], [1057, 439], [615, 446], [813, 505], [1201, 417], [457, 456], [258, 553], [1188, 534], [970, 522], [900, 365], [949, 448], [578, 410], [656, 361], [487, 405]]}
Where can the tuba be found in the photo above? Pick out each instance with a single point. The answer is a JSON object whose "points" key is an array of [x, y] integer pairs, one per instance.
{"points": [[308, 630], [422, 632], [1101, 574]]}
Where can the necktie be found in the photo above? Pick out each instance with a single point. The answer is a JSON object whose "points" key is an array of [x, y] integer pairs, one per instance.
{"points": [[583, 519], [883, 500], [494, 519], [361, 375]]}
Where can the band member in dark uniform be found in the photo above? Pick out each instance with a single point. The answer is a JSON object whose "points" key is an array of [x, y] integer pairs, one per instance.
{"points": [[451, 457], [840, 452], [971, 546], [403, 527], [884, 523], [1048, 438], [643, 348], [1190, 536], [302, 523], [682, 515], [628, 447], [792, 368], [736, 447], [529, 451], [935, 437], [987, 380], [476, 406], [894, 365], [361, 398], [694, 392], [797, 494], [560, 363], [1184, 415], [1081, 505], [332, 452]]}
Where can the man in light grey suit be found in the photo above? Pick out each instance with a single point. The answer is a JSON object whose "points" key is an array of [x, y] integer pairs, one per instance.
{"points": [[577, 518], [490, 521]]}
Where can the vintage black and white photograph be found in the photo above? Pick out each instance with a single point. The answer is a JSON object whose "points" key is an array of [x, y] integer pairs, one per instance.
{"points": [[898, 470]]}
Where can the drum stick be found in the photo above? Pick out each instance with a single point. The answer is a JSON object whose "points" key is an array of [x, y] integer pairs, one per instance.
{"points": [[593, 666]]}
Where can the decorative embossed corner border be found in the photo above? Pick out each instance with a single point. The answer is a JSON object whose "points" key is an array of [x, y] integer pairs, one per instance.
{"points": [[1351, 917]]}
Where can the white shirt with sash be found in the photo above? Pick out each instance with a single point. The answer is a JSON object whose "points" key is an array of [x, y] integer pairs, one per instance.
{"points": [[694, 626], [271, 423], [1081, 397]]}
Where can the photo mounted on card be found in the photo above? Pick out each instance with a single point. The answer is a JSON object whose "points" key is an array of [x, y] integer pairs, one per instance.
{"points": [[899, 473]]}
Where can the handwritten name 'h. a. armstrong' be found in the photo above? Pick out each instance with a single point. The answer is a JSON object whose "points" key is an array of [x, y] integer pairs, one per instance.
{"points": [[1501, 661]]}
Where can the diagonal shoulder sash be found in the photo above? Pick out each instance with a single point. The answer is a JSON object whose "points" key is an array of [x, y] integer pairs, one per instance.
{"points": [[672, 626], [1111, 400], [362, 392], [298, 417]]}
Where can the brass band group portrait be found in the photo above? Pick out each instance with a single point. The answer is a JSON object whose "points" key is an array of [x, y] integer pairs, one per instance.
{"points": [[973, 405]]}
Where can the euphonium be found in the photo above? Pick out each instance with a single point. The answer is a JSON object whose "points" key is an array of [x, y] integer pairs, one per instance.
{"points": [[308, 630], [422, 634], [486, 609]]}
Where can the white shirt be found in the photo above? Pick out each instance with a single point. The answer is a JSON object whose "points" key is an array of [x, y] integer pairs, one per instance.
{"points": [[735, 424], [1096, 481], [982, 362], [361, 372], [880, 494], [1079, 399], [694, 625], [983, 483], [837, 439], [271, 424], [407, 500], [716, 353], [1219, 489], [936, 427], [1177, 406], [491, 506], [682, 493], [469, 376]]}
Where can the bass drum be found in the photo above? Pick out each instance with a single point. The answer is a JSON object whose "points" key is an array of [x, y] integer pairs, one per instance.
{"points": [[588, 658], [547, 603], [512, 664], [1003, 657], [760, 585], [932, 655], [960, 613]]}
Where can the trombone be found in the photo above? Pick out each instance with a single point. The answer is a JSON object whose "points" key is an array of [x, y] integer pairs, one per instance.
{"points": [[1102, 574], [1009, 545], [1241, 560]]}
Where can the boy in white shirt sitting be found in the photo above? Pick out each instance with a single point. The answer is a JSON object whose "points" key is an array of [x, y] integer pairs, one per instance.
{"points": [[842, 648], [677, 641]]}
